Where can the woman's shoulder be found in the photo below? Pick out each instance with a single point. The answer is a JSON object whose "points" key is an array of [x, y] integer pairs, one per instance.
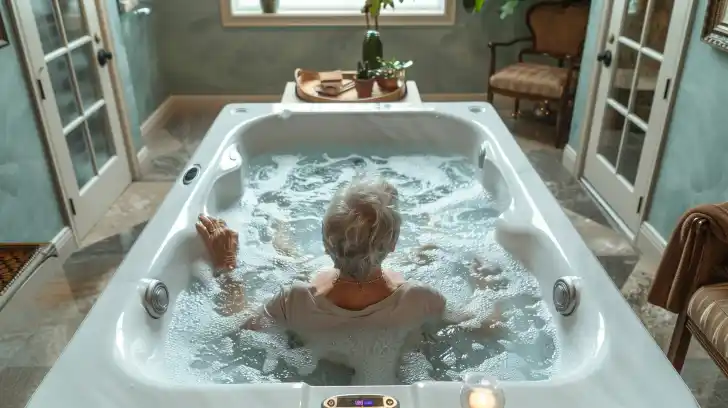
{"points": [[432, 301], [414, 286], [420, 290]]}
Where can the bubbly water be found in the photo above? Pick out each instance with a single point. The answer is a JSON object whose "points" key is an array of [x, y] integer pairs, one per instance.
{"points": [[448, 220]]}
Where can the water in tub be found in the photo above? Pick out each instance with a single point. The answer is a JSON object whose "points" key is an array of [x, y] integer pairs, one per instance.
{"points": [[442, 203]]}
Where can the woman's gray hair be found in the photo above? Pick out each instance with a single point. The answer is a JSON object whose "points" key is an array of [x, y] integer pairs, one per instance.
{"points": [[361, 227]]}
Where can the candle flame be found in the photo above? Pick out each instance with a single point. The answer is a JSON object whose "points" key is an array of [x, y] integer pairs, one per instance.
{"points": [[482, 399]]}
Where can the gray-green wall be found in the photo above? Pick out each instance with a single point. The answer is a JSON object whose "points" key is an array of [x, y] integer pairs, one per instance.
{"points": [[694, 168], [199, 56]]}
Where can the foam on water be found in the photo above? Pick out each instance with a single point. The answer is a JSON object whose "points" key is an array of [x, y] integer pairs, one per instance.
{"points": [[448, 220]]}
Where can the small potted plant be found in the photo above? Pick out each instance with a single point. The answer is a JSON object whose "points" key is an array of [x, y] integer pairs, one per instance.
{"points": [[364, 80], [269, 6], [390, 73]]}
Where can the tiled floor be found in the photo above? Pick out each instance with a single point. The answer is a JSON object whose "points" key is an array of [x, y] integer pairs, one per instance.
{"points": [[40, 319]]}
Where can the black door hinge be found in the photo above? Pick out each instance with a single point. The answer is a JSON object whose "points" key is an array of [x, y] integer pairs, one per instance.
{"points": [[667, 88], [72, 205], [40, 89], [639, 205]]}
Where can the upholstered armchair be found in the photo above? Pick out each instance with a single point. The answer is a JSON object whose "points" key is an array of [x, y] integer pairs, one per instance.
{"points": [[692, 282], [558, 30], [705, 319]]}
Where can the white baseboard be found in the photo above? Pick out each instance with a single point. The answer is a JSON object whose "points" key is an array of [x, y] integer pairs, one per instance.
{"points": [[650, 243], [142, 154], [568, 159], [65, 244], [159, 117], [177, 103], [183, 103]]}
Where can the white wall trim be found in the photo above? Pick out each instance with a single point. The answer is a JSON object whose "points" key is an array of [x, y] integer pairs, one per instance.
{"points": [[65, 244], [591, 97], [650, 243], [649, 188], [568, 160], [40, 118]]}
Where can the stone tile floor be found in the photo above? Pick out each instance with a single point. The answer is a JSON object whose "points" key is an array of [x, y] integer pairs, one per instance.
{"points": [[40, 319]]}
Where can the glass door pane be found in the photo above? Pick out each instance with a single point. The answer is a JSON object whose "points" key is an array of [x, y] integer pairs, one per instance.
{"points": [[636, 67], [72, 67]]}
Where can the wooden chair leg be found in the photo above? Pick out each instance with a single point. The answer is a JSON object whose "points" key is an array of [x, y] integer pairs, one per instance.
{"points": [[516, 108], [679, 343]]}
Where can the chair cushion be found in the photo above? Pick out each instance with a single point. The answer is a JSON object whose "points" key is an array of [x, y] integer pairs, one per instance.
{"points": [[708, 309], [532, 79]]}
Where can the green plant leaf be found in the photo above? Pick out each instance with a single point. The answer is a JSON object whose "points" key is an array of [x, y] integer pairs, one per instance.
{"points": [[508, 8], [479, 5], [375, 8]]}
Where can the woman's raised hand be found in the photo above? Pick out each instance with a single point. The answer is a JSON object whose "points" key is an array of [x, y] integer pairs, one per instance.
{"points": [[220, 240]]}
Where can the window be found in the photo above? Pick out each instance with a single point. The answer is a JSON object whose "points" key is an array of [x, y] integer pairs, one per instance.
{"points": [[335, 12]]}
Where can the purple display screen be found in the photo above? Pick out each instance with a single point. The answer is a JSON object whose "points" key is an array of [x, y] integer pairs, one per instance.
{"points": [[356, 402]]}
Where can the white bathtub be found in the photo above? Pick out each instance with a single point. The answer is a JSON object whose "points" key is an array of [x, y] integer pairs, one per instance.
{"points": [[607, 358]]}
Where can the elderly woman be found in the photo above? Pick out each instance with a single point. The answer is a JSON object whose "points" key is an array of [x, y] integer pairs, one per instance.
{"points": [[360, 229]]}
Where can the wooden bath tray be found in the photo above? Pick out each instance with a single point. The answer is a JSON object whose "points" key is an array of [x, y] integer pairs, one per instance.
{"points": [[308, 81]]}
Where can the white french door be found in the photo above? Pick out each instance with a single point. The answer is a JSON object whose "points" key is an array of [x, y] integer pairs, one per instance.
{"points": [[63, 44], [640, 63]]}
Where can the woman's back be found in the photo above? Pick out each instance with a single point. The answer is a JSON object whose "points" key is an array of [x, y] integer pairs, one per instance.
{"points": [[302, 308], [370, 340]]}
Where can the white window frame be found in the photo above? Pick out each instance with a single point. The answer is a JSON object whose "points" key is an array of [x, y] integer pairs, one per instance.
{"points": [[246, 13]]}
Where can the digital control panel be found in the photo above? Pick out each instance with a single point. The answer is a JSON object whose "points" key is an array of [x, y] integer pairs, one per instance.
{"points": [[360, 401]]}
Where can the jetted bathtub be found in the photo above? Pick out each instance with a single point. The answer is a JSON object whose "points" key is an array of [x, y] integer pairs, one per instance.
{"points": [[606, 359]]}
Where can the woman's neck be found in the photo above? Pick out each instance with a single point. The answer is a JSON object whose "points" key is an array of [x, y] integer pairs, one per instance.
{"points": [[373, 276], [351, 294]]}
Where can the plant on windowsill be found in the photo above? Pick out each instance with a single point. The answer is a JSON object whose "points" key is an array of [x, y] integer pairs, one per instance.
{"points": [[364, 81], [269, 6], [390, 73], [506, 9], [372, 49]]}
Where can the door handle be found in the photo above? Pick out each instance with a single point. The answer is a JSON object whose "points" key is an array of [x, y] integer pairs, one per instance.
{"points": [[104, 57], [605, 57]]}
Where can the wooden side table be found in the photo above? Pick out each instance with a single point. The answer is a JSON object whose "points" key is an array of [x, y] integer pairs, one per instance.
{"points": [[413, 94]]}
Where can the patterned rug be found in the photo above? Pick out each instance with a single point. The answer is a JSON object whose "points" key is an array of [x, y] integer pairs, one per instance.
{"points": [[13, 260]]}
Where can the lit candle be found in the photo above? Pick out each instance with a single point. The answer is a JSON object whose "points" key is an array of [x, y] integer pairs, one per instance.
{"points": [[482, 398]]}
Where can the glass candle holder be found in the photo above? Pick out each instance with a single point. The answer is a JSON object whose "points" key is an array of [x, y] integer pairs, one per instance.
{"points": [[481, 391]]}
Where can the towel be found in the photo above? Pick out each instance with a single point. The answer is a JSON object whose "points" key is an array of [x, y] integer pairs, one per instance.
{"points": [[691, 256]]}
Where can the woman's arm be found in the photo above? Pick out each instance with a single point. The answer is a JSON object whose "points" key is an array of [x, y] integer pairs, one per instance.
{"points": [[282, 241], [222, 247], [231, 298]]}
